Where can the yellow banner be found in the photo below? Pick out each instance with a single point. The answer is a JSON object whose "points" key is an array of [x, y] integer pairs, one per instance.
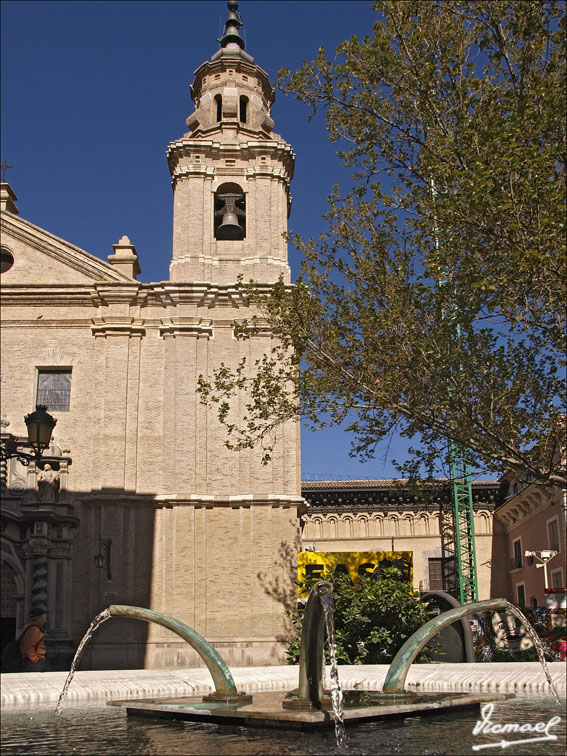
{"points": [[355, 563]]}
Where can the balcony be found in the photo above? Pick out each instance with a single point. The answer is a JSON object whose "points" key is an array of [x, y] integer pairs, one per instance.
{"points": [[516, 563]]}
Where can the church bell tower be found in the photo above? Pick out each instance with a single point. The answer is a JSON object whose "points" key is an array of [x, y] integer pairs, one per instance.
{"points": [[226, 525], [230, 173]]}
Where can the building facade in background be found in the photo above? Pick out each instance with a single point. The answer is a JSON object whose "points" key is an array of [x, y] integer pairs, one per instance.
{"points": [[390, 516], [535, 518]]}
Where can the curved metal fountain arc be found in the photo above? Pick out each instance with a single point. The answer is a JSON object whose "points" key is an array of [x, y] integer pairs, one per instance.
{"points": [[225, 687], [402, 661]]}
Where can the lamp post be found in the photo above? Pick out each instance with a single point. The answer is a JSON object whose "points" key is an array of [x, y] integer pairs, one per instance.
{"points": [[40, 426], [544, 557]]}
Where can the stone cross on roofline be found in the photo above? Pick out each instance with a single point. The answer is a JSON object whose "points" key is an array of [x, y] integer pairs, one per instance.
{"points": [[4, 168]]}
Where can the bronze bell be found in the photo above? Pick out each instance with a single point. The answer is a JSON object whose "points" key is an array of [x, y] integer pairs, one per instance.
{"points": [[230, 228]]}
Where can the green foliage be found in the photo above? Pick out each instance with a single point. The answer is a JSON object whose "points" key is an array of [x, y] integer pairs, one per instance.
{"points": [[373, 618], [433, 304]]}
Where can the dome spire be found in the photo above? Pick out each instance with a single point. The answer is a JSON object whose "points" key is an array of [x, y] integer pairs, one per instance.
{"points": [[231, 27]]}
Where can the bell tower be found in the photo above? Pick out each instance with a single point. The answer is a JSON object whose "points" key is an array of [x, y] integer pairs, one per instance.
{"points": [[226, 525], [230, 173]]}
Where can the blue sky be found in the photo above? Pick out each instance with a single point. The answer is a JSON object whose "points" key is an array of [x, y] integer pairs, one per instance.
{"points": [[93, 92]]}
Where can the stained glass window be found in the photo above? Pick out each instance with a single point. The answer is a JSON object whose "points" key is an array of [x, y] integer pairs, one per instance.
{"points": [[54, 390]]}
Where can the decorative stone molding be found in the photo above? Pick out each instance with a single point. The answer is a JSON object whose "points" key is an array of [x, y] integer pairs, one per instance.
{"points": [[125, 258], [125, 293], [117, 326], [186, 326], [260, 327], [37, 547], [8, 199]]}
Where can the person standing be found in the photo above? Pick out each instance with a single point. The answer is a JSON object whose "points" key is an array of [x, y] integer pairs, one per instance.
{"points": [[32, 643]]}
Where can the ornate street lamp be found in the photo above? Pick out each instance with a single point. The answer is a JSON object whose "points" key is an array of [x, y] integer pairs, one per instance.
{"points": [[543, 557], [40, 426], [103, 557]]}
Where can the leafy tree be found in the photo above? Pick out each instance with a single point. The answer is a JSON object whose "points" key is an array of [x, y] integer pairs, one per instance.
{"points": [[433, 304], [373, 617]]}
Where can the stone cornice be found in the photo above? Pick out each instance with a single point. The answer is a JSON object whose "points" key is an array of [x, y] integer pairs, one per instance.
{"points": [[234, 501], [245, 151], [390, 495], [69, 295], [525, 504], [202, 294], [133, 293], [72, 295], [260, 327], [196, 500], [129, 293]]}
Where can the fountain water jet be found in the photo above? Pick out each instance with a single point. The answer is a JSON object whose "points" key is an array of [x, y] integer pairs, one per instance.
{"points": [[318, 615], [225, 688], [402, 661]]}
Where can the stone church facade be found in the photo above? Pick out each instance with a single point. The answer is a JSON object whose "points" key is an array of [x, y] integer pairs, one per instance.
{"points": [[138, 501]]}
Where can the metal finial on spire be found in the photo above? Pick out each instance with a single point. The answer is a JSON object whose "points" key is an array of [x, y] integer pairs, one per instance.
{"points": [[231, 27]]}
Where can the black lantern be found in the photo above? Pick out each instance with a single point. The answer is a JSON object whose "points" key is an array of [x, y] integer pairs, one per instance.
{"points": [[103, 557], [99, 561], [40, 426]]}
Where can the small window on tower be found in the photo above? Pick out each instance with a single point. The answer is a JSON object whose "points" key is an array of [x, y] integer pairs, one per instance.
{"points": [[218, 100], [243, 109]]}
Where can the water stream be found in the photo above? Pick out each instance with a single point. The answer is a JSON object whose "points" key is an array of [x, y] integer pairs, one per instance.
{"points": [[98, 620], [538, 645], [328, 604]]}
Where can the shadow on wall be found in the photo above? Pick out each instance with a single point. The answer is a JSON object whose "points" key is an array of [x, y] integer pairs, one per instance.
{"points": [[75, 553], [283, 587]]}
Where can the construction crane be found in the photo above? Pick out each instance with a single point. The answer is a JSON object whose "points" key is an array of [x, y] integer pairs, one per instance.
{"points": [[457, 519]]}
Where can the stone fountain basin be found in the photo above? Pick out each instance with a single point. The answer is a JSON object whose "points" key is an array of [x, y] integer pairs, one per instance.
{"points": [[266, 709]]}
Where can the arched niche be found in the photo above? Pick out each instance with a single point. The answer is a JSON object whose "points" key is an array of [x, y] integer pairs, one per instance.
{"points": [[230, 212]]}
